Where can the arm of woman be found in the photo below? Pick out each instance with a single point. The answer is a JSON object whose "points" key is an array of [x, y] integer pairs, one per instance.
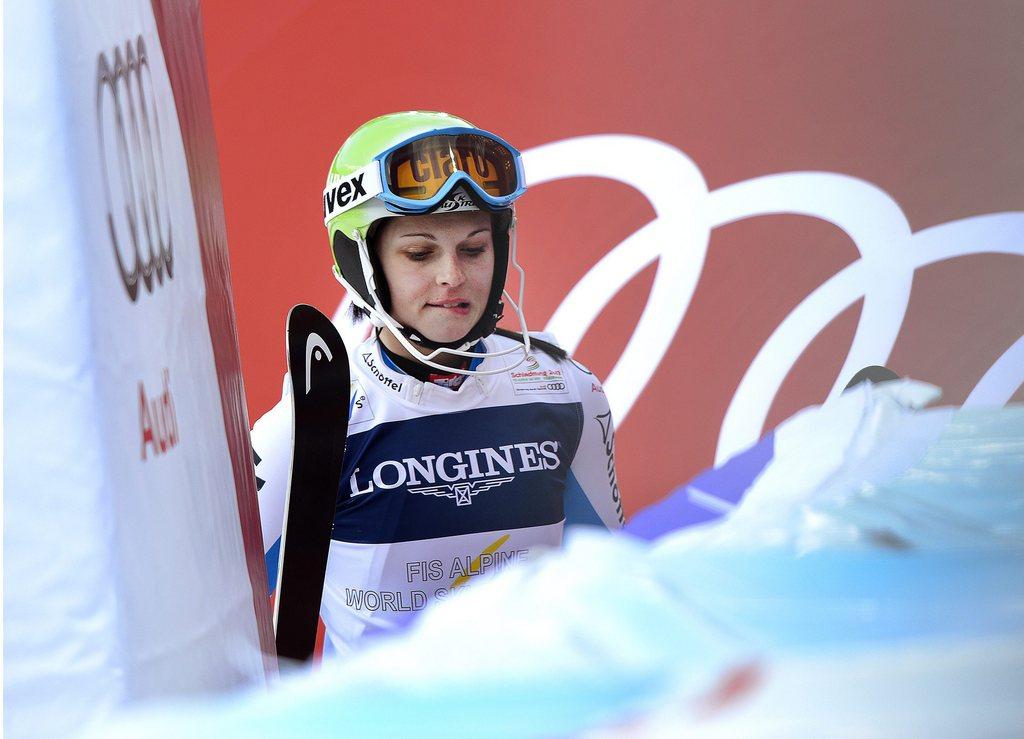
{"points": [[272, 451], [592, 492]]}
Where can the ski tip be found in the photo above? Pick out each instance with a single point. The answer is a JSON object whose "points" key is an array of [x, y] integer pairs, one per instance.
{"points": [[301, 310], [875, 374]]}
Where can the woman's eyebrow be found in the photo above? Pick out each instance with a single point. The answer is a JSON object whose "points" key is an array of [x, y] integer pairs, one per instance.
{"points": [[432, 237]]}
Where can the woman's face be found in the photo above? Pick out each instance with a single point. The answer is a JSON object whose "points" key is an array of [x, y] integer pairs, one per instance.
{"points": [[439, 269]]}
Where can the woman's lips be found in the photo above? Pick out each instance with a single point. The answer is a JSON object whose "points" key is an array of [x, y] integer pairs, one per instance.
{"points": [[456, 307]]}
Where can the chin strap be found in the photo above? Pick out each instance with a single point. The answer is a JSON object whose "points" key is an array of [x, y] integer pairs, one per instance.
{"points": [[382, 319], [461, 349]]}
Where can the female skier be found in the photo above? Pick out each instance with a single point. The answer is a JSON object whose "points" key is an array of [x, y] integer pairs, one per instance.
{"points": [[468, 446]]}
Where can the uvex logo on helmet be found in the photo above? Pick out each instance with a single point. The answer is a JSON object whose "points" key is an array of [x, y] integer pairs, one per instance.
{"points": [[131, 158], [348, 192], [458, 475]]}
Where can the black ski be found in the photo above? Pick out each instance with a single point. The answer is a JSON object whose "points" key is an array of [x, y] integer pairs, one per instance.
{"points": [[319, 373]]}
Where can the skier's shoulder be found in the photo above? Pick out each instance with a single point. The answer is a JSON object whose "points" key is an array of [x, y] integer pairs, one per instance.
{"points": [[271, 434], [369, 344], [575, 372], [544, 347], [281, 408], [547, 346], [549, 361]]}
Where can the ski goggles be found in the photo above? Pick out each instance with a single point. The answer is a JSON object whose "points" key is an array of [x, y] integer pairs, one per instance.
{"points": [[416, 175]]}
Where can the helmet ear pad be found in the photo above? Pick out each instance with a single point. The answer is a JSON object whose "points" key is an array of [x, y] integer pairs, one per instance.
{"points": [[501, 223], [346, 256]]}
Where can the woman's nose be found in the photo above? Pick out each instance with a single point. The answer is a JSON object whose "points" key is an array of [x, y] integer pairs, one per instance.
{"points": [[450, 272]]}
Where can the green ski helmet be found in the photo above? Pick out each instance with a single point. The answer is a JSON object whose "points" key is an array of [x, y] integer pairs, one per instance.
{"points": [[414, 163]]}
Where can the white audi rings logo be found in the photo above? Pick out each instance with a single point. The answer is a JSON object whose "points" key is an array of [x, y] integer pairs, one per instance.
{"points": [[678, 240], [134, 179]]}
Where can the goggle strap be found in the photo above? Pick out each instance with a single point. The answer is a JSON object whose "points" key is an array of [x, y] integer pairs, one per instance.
{"points": [[345, 193]]}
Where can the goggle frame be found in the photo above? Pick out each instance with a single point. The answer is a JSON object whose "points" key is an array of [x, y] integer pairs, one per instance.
{"points": [[380, 188]]}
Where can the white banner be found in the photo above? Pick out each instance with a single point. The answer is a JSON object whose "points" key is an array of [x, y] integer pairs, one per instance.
{"points": [[125, 576]]}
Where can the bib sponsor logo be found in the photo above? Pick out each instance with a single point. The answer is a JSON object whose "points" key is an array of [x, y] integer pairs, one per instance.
{"points": [[132, 166], [461, 492], [379, 374], [538, 382], [461, 475], [460, 569], [359, 405]]}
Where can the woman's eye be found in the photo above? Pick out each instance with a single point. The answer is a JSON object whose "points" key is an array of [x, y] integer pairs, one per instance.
{"points": [[474, 251], [418, 256]]}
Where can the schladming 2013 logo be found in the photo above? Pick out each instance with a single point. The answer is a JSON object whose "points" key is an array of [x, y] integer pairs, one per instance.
{"points": [[131, 159]]}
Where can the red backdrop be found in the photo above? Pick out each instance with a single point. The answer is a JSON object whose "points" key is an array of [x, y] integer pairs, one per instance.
{"points": [[922, 100]]}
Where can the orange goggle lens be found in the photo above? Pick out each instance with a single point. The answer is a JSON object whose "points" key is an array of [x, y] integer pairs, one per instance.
{"points": [[420, 169]]}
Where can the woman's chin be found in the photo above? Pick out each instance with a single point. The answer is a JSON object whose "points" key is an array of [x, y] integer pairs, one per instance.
{"points": [[445, 337], [448, 331]]}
